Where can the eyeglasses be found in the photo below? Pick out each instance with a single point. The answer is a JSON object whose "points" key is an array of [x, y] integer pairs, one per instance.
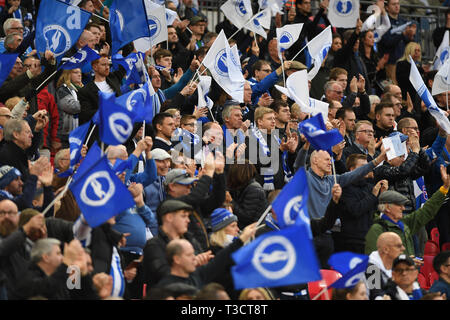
{"points": [[10, 213], [400, 270], [17, 28], [367, 131]]}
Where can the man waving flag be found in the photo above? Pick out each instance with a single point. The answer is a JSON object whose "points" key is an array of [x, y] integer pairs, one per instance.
{"points": [[79, 59]]}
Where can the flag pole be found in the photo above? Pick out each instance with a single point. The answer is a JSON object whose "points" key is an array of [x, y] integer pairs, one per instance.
{"points": [[234, 34], [282, 70], [298, 53], [263, 216], [59, 196], [324, 290], [90, 133], [334, 170]]}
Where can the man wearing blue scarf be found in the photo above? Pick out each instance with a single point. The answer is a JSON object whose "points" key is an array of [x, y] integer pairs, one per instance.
{"points": [[391, 218]]}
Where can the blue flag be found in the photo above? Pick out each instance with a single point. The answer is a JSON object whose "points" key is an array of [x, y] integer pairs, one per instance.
{"points": [[139, 101], [290, 205], [133, 66], [352, 266], [99, 192], [79, 59], [316, 133], [76, 139], [116, 121], [7, 61], [58, 26], [128, 22], [277, 258]]}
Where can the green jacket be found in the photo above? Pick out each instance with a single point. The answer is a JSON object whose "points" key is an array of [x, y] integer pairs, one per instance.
{"points": [[413, 222]]}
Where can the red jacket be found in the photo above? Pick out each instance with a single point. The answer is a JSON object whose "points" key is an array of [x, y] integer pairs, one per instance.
{"points": [[46, 101]]}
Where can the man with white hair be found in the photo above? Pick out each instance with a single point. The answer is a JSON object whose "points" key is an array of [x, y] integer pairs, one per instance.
{"points": [[120, 161], [13, 25]]}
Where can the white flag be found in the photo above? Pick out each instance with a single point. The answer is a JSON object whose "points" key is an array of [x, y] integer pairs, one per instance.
{"points": [[237, 11], [343, 13], [156, 16], [395, 145], [318, 49], [376, 22], [441, 82], [400, 29], [287, 36], [418, 84], [442, 52], [274, 6], [259, 22], [202, 90], [318, 106], [224, 65], [171, 16]]}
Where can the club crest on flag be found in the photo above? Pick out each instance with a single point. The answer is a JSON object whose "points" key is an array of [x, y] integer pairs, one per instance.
{"points": [[154, 25], [120, 18], [444, 55], [240, 8], [285, 38], [221, 63], [98, 189], [57, 39], [294, 208], [134, 96], [121, 126], [274, 257], [343, 7]]}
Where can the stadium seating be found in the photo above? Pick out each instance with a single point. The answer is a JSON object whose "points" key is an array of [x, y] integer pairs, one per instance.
{"points": [[328, 278], [435, 235], [431, 248], [445, 246], [427, 270]]}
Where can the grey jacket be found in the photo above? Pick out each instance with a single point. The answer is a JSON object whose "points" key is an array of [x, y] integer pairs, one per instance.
{"points": [[69, 107]]}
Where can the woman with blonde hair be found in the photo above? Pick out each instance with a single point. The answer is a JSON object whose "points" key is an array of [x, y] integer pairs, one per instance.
{"points": [[68, 105], [256, 294], [403, 68]]}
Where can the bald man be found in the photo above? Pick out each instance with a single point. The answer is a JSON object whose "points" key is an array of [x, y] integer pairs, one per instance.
{"points": [[320, 182], [379, 269]]}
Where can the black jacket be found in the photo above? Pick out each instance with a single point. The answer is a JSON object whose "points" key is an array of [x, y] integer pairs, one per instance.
{"points": [[359, 205], [155, 263], [88, 95], [249, 203], [204, 201], [210, 272]]}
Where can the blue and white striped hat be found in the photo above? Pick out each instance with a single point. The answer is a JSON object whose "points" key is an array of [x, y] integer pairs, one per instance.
{"points": [[220, 218]]}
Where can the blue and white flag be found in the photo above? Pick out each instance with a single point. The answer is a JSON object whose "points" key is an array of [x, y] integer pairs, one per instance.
{"points": [[157, 24], [290, 205], [400, 29], [442, 52], [418, 84], [203, 90], [7, 61], [396, 146], [225, 67], [76, 140], [171, 16], [277, 258], [72, 2], [351, 266], [58, 27], [260, 22], [99, 192], [420, 192], [287, 36], [343, 13], [140, 102], [441, 82], [318, 49], [116, 121], [133, 66], [316, 133], [275, 6], [238, 12], [128, 22], [79, 59]]}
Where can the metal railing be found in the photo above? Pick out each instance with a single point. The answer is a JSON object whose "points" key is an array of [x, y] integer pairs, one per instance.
{"points": [[426, 24]]}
